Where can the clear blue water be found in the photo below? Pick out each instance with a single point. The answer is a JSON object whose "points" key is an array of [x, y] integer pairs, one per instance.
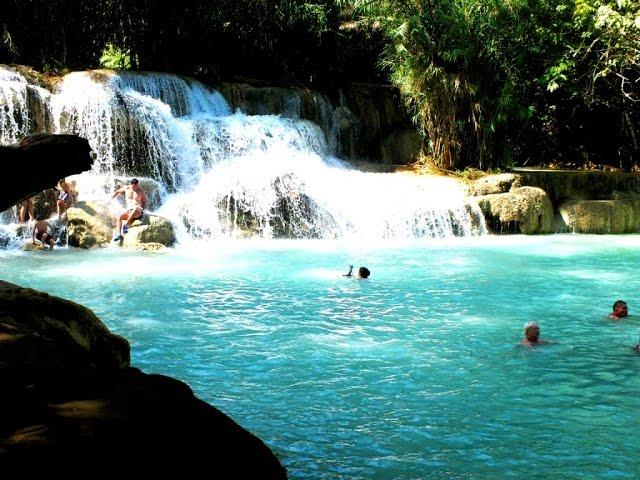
{"points": [[411, 374]]}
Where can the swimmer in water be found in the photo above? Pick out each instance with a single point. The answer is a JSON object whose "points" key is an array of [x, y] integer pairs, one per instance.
{"points": [[532, 335]]}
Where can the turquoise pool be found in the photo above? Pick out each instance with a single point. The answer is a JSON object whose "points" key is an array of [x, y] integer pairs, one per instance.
{"points": [[412, 374]]}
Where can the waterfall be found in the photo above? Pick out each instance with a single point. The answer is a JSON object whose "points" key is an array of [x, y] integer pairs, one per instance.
{"points": [[14, 117], [226, 174]]}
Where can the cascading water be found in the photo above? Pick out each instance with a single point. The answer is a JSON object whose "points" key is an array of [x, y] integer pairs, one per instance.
{"points": [[231, 175], [14, 117]]}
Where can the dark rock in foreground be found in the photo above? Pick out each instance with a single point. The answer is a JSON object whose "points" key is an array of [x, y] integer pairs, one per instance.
{"points": [[70, 404], [38, 162]]}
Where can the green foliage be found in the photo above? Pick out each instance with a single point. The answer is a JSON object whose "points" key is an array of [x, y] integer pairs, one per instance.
{"points": [[115, 58], [490, 82]]}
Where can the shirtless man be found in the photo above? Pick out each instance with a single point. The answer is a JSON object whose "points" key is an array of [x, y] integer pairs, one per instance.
{"points": [[136, 200], [532, 335], [620, 310], [44, 232], [65, 197]]}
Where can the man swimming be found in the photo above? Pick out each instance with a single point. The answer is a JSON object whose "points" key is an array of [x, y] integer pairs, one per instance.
{"points": [[620, 310], [532, 335]]}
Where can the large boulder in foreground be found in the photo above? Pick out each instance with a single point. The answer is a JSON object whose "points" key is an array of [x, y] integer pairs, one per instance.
{"points": [[38, 162], [74, 328], [618, 215], [526, 210], [88, 225], [70, 403]]}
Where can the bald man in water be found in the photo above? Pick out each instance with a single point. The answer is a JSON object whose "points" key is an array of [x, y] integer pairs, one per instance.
{"points": [[532, 335]]}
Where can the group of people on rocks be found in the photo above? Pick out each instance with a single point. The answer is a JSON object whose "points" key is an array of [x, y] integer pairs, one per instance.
{"points": [[532, 329], [45, 232]]}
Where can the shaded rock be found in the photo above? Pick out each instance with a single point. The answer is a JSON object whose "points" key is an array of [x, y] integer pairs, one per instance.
{"points": [[387, 134], [348, 132], [401, 146], [238, 218], [75, 328], [5, 239], [151, 229], [619, 215], [70, 403], [39, 111], [88, 225], [526, 210], [296, 214], [491, 184], [49, 157]]}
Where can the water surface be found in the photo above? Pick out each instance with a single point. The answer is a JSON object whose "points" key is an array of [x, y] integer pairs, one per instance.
{"points": [[411, 374]]}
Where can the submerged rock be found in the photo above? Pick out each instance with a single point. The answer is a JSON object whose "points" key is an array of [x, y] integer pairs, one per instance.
{"points": [[70, 401], [526, 210]]}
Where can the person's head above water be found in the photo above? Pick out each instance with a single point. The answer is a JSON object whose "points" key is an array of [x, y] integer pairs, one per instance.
{"points": [[532, 332], [620, 310], [363, 272]]}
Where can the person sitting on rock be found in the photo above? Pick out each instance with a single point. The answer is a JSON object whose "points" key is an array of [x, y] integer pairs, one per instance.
{"points": [[65, 197], [136, 201], [44, 232], [532, 335], [620, 310]]}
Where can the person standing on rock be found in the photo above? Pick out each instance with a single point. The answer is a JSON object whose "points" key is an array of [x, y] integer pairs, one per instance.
{"points": [[26, 208], [136, 201], [65, 197]]}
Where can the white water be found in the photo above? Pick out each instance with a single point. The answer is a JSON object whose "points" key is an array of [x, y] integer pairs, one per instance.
{"points": [[14, 115], [229, 175]]}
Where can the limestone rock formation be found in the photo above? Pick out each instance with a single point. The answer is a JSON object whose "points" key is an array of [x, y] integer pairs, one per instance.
{"points": [[618, 215], [38, 162], [490, 184], [88, 225], [152, 229], [70, 404], [526, 210]]}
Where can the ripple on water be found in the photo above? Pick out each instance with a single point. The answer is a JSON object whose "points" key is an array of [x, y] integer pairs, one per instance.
{"points": [[412, 374]]}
